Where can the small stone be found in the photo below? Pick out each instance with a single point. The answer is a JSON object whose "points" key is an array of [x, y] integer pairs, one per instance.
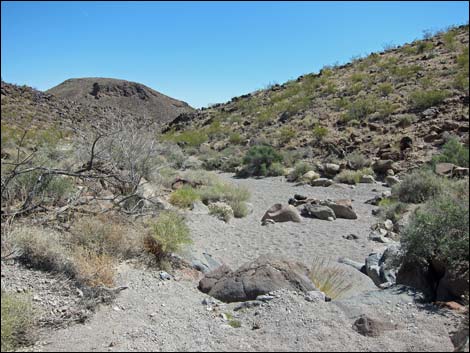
{"points": [[388, 224], [165, 276], [264, 298], [350, 237]]}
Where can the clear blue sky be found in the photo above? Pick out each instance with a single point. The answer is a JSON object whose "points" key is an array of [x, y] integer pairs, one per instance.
{"points": [[203, 52]]}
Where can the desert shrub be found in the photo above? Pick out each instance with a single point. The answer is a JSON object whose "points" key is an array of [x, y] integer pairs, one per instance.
{"points": [[107, 235], [240, 209], [259, 159], [43, 249], [17, 320], [223, 192], [168, 234], [94, 269], [360, 109], [392, 209], [286, 134], [184, 197], [449, 39], [329, 278], [418, 186], [230, 164], [453, 152], [403, 73], [406, 120], [299, 170], [423, 46], [320, 132], [276, 169], [440, 231], [385, 89], [235, 138], [358, 77], [357, 160], [353, 176], [422, 100], [221, 210], [191, 138]]}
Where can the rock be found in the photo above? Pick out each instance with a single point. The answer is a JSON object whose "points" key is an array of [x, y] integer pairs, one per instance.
{"points": [[264, 298], [315, 296], [350, 237], [390, 172], [325, 182], [460, 337], [444, 169], [388, 224], [391, 180], [300, 197], [317, 211], [372, 267], [281, 213], [381, 166], [369, 327], [331, 169], [367, 179], [431, 137], [310, 176], [248, 304], [200, 208], [259, 277], [165, 276], [341, 208], [211, 278], [461, 172]]}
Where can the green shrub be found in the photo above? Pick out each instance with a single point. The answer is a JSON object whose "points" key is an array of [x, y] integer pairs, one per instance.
{"points": [[184, 197], [259, 159], [406, 120], [235, 138], [329, 278], [440, 231], [385, 89], [418, 186], [169, 233], [17, 321], [453, 152], [421, 100], [221, 210], [360, 109], [191, 138], [353, 176], [299, 170], [320, 132], [240, 209], [223, 192], [392, 209], [286, 134], [276, 169]]}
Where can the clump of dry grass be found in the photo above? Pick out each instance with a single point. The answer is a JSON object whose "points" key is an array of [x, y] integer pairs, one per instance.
{"points": [[94, 269], [330, 278]]}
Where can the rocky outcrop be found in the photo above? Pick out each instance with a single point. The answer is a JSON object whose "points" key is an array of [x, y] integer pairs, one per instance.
{"points": [[318, 211], [259, 277], [281, 213]]}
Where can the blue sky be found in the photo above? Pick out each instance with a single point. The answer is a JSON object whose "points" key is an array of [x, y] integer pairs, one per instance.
{"points": [[203, 52]]}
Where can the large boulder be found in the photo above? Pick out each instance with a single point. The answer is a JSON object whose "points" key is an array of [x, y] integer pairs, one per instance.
{"points": [[281, 213], [318, 211], [310, 176], [325, 182], [381, 166], [211, 278], [341, 208], [259, 277], [331, 169]]}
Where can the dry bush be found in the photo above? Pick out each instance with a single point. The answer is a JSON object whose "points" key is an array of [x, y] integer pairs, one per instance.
{"points": [[94, 269], [108, 235], [42, 248], [331, 279], [353, 176], [17, 321]]}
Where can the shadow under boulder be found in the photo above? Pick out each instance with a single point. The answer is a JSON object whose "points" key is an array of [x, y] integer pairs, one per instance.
{"points": [[264, 275]]}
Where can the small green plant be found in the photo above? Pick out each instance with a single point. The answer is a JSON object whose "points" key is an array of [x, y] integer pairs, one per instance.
{"points": [[235, 323], [392, 209], [353, 176], [17, 320], [421, 100], [184, 197], [329, 278], [235, 138], [360, 109], [169, 234], [299, 170], [357, 160], [453, 152], [419, 186], [320, 132], [240, 209], [286, 134], [406, 120], [385, 89]]}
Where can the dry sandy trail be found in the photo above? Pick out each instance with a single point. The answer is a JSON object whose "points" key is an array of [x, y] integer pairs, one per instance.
{"points": [[155, 315]]}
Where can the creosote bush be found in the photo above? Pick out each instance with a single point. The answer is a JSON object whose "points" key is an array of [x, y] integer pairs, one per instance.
{"points": [[259, 160], [453, 152], [421, 100], [439, 231], [419, 186]]}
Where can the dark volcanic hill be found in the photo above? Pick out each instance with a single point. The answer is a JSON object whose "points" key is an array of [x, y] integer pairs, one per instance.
{"points": [[130, 97]]}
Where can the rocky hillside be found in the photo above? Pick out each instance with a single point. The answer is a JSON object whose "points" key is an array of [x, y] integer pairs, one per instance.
{"points": [[376, 106], [130, 97]]}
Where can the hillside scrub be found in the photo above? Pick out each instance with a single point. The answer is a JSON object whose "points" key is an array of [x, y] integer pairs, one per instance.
{"points": [[419, 186], [453, 152], [259, 161]]}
